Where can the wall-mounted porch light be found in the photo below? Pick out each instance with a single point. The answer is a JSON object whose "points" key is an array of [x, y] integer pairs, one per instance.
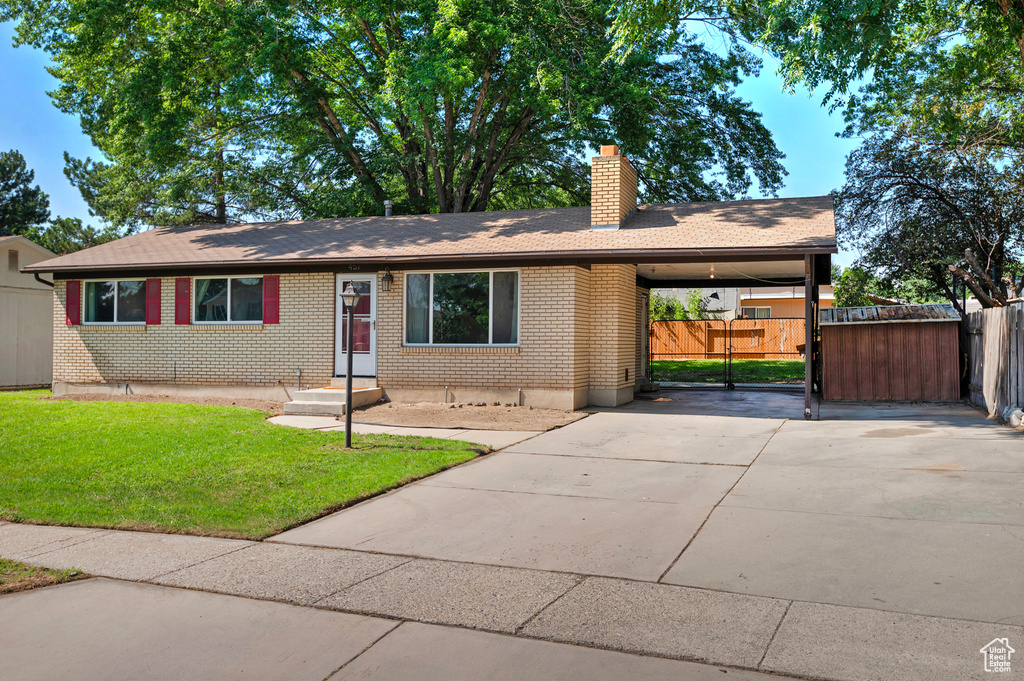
{"points": [[386, 280], [712, 271]]}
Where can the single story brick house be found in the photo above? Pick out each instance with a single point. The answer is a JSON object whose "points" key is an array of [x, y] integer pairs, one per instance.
{"points": [[546, 307]]}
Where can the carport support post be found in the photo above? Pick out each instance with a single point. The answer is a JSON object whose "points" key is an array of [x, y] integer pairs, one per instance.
{"points": [[808, 333]]}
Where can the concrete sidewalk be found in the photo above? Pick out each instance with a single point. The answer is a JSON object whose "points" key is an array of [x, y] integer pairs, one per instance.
{"points": [[754, 633], [495, 439], [100, 629]]}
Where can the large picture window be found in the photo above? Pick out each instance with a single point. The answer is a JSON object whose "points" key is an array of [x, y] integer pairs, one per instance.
{"points": [[462, 308], [115, 302], [229, 300]]}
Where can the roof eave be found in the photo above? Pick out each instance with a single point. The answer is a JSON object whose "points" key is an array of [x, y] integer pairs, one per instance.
{"points": [[597, 257]]}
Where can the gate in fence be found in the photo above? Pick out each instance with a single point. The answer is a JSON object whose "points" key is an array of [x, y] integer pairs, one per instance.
{"points": [[741, 353]]}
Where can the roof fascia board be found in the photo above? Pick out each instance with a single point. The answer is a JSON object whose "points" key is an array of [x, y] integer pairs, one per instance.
{"points": [[476, 259]]}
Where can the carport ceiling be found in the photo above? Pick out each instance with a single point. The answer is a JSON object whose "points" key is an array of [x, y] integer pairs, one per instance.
{"points": [[753, 273]]}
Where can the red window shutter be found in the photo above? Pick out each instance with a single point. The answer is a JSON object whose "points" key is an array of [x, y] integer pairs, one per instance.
{"points": [[271, 299], [73, 302], [182, 301], [152, 301]]}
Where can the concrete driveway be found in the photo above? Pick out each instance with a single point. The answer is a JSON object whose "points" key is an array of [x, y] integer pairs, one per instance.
{"points": [[913, 509]]}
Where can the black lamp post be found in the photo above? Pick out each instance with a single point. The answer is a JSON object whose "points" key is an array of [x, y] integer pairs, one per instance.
{"points": [[350, 298]]}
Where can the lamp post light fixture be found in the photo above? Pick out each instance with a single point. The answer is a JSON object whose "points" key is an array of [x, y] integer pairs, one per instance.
{"points": [[386, 280], [350, 298]]}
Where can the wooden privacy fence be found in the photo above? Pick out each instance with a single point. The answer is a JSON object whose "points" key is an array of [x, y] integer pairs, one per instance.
{"points": [[747, 339], [703, 339], [995, 357]]}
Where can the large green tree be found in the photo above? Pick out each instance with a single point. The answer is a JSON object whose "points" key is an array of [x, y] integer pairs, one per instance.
{"points": [[949, 71], [221, 111], [22, 206], [918, 213], [25, 210]]}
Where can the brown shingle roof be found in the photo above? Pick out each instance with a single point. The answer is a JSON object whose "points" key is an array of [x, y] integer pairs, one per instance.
{"points": [[673, 231]]}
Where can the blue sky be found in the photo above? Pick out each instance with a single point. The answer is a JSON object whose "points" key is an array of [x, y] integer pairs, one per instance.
{"points": [[803, 130]]}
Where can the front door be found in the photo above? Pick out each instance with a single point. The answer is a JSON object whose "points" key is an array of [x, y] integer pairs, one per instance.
{"points": [[364, 330]]}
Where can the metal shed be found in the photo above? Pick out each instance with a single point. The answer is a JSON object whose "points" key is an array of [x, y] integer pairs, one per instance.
{"points": [[897, 353]]}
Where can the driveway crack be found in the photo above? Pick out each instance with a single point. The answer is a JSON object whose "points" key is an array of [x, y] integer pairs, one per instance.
{"points": [[364, 579], [719, 502], [557, 598], [364, 650], [774, 633]]}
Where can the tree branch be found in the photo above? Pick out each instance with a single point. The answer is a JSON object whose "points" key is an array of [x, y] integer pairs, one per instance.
{"points": [[979, 293], [986, 280]]}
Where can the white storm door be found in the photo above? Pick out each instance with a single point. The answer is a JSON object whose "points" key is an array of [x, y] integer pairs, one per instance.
{"points": [[364, 330]]}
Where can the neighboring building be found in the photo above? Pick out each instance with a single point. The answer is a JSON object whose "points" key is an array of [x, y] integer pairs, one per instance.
{"points": [[547, 307], [26, 314], [754, 303], [779, 303]]}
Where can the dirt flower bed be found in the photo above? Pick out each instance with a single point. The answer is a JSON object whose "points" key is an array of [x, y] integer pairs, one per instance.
{"points": [[475, 415]]}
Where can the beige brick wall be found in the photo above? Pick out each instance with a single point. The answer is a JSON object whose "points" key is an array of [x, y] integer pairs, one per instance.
{"points": [[577, 332], [613, 327], [581, 328], [249, 354]]}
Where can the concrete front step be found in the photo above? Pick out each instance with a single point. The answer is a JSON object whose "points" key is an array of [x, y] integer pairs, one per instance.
{"points": [[329, 401], [314, 408]]}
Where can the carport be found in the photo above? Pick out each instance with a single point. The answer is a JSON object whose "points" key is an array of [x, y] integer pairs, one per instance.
{"points": [[761, 267]]}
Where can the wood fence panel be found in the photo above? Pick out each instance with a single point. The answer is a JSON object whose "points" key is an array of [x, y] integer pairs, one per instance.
{"points": [[1016, 367], [1012, 379], [687, 340], [765, 338], [748, 339], [996, 347], [975, 354], [995, 357]]}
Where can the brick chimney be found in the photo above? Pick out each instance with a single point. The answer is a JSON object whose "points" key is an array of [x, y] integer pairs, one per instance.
{"points": [[612, 189]]}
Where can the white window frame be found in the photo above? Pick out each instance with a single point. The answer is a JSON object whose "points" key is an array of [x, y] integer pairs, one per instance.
{"points": [[490, 308], [755, 308], [229, 322], [85, 297]]}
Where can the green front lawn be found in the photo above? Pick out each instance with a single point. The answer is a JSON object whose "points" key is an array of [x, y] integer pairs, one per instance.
{"points": [[223, 471], [763, 371]]}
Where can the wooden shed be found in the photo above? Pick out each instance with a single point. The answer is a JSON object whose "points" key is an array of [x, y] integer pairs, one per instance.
{"points": [[895, 353]]}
